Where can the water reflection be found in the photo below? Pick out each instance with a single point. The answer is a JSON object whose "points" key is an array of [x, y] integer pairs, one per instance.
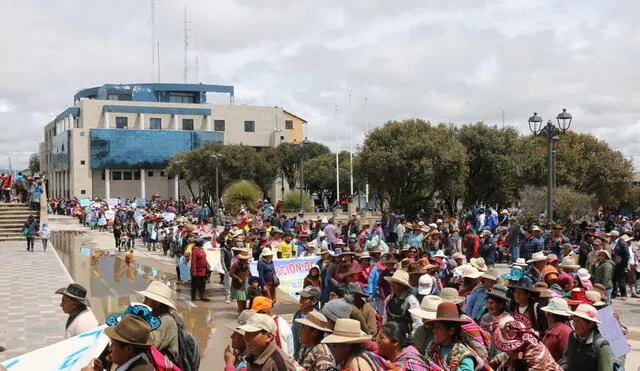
{"points": [[111, 284]]}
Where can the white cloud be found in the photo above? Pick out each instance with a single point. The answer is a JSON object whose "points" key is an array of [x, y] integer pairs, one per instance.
{"points": [[459, 62]]}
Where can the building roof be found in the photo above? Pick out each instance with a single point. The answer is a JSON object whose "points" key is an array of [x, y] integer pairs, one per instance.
{"points": [[143, 89], [298, 117]]}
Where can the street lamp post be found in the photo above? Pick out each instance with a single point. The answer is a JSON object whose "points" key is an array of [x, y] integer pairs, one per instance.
{"points": [[216, 158], [176, 181], [552, 132]]}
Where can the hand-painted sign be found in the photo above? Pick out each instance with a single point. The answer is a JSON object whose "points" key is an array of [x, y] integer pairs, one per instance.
{"points": [[291, 273]]}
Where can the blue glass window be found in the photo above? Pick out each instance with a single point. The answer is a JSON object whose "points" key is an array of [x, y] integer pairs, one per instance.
{"points": [[187, 124], [249, 126], [122, 122], [155, 123]]}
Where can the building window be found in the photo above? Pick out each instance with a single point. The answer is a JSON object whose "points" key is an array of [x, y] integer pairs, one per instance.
{"points": [[116, 175], [122, 122], [102, 174], [136, 175], [82, 133], [126, 175], [187, 124], [181, 97], [155, 123], [150, 173], [162, 173], [249, 126], [218, 125], [282, 137], [82, 162], [112, 97], [288, 124], [82, 192]]}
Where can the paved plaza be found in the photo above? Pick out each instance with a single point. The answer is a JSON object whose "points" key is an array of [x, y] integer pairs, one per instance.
{"points": [[30, 314]]}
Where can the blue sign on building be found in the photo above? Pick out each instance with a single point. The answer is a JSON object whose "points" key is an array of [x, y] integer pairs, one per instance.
{"points": [[143, 149]]}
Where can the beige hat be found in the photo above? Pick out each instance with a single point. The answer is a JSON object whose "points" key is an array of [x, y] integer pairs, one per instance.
{"points": [[520, 262], [451, 294], [159, 292], [428, 307], [535, 228], [346, 331], [491, 274], [399, 276], [260, 322], [626, 238], [468, 271], [537, 257], [586, 311], [440, 254], [267, 252], [315, 320], [557, 306], [595, 297], [568, 262], [242, 320], [479, 264]]}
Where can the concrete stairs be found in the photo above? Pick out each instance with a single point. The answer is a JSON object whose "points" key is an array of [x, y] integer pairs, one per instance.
{"points": [[12, 218]]}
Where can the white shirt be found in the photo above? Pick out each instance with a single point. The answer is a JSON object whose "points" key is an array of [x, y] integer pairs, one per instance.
{"points": [[84, 322], [128, 363], [286, 335], [400, 231]]}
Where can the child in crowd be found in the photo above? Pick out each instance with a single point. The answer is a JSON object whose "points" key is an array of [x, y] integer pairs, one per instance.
{"points": [[256, 288]]}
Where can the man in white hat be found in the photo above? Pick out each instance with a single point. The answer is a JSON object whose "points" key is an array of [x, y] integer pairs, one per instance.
{"points": [[158, 297], [264, 354], [397, 304]]}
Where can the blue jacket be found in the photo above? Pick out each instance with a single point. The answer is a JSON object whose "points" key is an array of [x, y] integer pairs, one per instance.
{"points": [[266, 271], [528, 247], [476, 305], [490, 222], [372, 287]]}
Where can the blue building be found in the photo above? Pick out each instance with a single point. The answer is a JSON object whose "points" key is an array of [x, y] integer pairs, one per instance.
{"points": [[116, 139]]}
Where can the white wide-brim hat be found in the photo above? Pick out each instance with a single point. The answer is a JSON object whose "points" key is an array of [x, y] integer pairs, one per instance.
{"points": [[428, 307], [159, 292], [346, 331]]}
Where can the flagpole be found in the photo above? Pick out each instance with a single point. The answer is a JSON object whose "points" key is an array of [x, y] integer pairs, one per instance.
{"points": [[366, 125], [350, 149], [335, 120]]}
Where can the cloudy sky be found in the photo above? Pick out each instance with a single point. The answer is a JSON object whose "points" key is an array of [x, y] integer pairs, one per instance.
{"points": [[453, 61]]}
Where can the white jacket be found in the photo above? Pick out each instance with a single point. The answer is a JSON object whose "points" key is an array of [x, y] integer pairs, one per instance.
{"points": [[84, 322]]}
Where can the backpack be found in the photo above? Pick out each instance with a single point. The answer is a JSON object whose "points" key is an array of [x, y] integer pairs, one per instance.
{"points": [[188, 348]]}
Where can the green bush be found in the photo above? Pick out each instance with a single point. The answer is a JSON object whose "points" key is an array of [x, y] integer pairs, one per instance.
{"points": [[240, 193], [292, 202]]}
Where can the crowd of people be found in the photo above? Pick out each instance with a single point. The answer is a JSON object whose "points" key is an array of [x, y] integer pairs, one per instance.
{"points": [[21, 189], [387, 294]]}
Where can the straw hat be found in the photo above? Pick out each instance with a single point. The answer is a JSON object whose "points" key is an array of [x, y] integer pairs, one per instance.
{"points": [[346, 331], [586, 311], [399, 276], [159, 292], [479, 264], [468, 271], [447, 312], [626, 238], [557, 306], [537, 257], [244, 254], [315, 320], [491, 274], [428, 307], [131, 330], [607, 253], [595, 297], [520, 262], [440, 254], [267, 252], [568, 262], [451, 294]]}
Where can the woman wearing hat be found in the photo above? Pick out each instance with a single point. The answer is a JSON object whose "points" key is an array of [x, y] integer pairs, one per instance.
{"points": [[314, 355], [74, 303], [586, 349], [348, 347], [397, 304], [557, 335], [447, 350], [524, 296], [423, 336], [603, 272], [267, 272], [240, 273], [514, 336], [392, 344], [498, 300]]}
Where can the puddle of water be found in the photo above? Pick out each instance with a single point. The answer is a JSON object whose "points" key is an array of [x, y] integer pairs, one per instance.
{"points": [[111, 286]]}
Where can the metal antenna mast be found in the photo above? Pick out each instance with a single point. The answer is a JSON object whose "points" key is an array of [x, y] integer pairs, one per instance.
{"points": [[153, 40], [186, 45]]}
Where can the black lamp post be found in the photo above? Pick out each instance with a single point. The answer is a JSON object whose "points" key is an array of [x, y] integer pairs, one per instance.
{"points": [[552, 133]]}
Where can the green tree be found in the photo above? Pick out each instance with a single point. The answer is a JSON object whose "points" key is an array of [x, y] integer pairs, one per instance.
{"points": [[568, 204], [407, 163], [34, 163], [287, 157], [240, 194], [493, 163]]}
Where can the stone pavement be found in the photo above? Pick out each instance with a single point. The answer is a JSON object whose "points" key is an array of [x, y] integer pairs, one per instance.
{"points": [[30, 314]]}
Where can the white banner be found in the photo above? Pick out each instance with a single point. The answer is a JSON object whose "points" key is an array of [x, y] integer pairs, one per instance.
{"points": [[68, 355]]}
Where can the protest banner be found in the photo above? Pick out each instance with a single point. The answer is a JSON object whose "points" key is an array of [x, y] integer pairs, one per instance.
{"points": [[67, 355], [84, 202], [113, 202], [610, 329], [291, 273], [141, 202]]}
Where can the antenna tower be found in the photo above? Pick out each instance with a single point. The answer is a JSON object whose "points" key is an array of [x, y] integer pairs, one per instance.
{"points": [[186, 45], [153, 40]]}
